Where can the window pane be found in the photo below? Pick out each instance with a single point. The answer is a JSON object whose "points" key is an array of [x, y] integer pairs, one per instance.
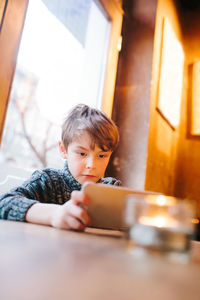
{"points": [[61, 62]]}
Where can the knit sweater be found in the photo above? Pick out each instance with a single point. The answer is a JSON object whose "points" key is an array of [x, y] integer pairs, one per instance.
{"points": [[46, 186]]}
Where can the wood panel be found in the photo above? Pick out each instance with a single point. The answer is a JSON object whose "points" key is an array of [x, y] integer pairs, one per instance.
{"points": [[163, 139]]}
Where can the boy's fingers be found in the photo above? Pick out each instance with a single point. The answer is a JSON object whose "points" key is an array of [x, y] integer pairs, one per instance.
{"points": [[79, 197], [80, 214], [75, 224]]}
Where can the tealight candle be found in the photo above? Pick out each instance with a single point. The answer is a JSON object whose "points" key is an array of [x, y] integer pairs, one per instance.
{"points": [[159, 222]]}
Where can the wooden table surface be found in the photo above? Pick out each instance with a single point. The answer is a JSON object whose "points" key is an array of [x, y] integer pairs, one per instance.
{"points": [[38, 262]]}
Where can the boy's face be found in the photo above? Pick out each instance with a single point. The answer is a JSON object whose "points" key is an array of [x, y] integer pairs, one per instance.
{"points": [[84, 163]]}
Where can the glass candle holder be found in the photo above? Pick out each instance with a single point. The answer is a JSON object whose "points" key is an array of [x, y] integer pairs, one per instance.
{"points": [[159, 222]]}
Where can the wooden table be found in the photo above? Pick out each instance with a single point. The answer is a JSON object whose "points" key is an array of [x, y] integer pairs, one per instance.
{"points": [[38, 262]]}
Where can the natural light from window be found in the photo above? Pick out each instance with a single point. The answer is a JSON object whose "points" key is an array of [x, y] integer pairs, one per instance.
{"points": [[61, 62]]}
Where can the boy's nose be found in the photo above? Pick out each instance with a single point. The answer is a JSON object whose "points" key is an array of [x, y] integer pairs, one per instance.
{"points": [[90, 162]]}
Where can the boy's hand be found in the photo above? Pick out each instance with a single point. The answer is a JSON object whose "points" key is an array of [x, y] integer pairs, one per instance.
{"points": [[71, 215]]}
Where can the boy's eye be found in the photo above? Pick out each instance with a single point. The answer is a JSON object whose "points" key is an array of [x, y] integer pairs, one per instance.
{"points": [[82, 153], [102, 155]]}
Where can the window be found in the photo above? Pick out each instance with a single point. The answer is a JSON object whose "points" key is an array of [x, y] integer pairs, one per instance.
{"points": [[63, 59], [194, 100], [171, 76]]}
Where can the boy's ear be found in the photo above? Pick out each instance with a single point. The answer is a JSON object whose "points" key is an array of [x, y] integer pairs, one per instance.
{"points": [[62, 149]]}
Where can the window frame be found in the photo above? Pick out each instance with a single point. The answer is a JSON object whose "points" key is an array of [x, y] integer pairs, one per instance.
{"points": [[12, 27], [115, 13]]}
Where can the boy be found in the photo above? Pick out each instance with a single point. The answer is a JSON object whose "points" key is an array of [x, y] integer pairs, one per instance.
{"points": [[53, 197]]}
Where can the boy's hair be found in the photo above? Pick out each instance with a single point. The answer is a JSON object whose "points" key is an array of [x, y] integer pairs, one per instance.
{"points": [[98, 125]]}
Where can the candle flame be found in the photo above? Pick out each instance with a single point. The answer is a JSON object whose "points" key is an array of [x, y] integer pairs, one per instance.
{"points": [[195, 221], [158, 221], [161, 200]]}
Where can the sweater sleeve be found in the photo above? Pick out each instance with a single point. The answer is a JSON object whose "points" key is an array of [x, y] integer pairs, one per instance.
{"points": [[110, 180], [15, 204], [14, 207]]}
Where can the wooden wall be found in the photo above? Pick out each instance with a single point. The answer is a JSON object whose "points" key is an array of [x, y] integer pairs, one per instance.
{"points": [[163, 140], [187, 183], [152, 155], [173, 155]]}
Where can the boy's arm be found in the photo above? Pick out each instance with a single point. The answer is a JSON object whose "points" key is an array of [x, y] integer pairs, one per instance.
{"points": [[15, 203], [29, 202], [67, 216], [14, 206], [40, 213]]}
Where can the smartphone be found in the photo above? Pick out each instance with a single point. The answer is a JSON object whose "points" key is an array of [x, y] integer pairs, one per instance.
{"points": [[107, 204]]}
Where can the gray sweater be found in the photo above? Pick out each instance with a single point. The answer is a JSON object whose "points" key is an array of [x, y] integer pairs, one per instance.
{"points": [[47, 186]]}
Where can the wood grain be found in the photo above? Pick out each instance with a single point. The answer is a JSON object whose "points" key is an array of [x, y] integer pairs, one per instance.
{"points": [[39, 262]]}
